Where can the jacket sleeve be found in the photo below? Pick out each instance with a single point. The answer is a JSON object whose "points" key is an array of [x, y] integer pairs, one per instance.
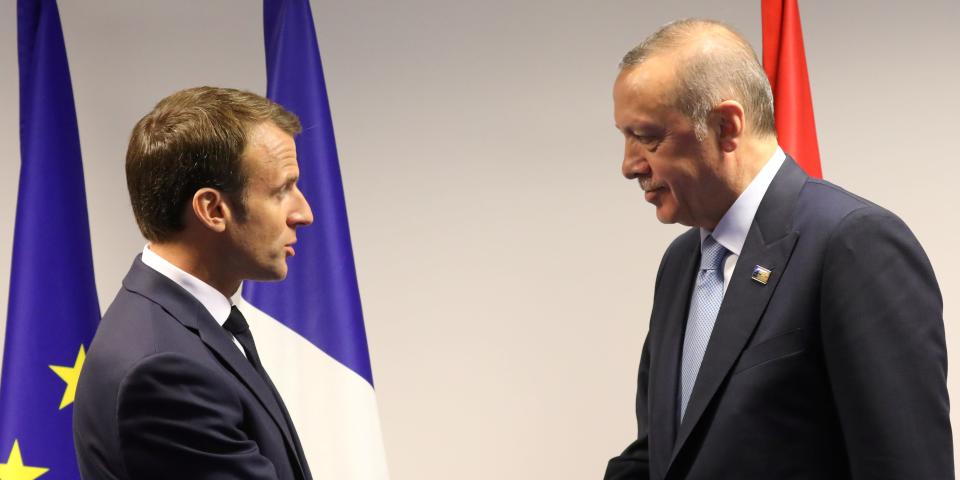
{"points": [[634, 463], [884, 348], [177, 419]]}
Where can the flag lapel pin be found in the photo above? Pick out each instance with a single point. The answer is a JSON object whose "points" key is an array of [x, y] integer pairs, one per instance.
{"points": [[761, 274]]}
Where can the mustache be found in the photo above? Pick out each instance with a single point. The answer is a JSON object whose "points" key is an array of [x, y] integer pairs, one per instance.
{"points": [[647, 184]]}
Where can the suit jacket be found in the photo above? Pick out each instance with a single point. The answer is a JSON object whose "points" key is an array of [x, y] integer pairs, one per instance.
{"points": [[165, 394], [833, 369]]}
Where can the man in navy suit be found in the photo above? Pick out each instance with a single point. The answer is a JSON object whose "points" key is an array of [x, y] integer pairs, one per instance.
{"points": [[172, 387], [797, 329]]}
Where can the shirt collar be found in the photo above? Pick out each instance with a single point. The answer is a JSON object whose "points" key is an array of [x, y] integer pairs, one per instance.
{"points": [[733, 228], [211, 298]]}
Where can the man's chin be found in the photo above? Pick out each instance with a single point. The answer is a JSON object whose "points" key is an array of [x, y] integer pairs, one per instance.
{"points": [[665, 216], [272, 275], [669, 214]]}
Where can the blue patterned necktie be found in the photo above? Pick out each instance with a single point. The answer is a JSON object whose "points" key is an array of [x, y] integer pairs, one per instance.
{"points": [[704, 306]]}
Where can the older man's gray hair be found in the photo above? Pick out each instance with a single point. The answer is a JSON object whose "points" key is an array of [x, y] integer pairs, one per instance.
{"points": [[724, 68]]}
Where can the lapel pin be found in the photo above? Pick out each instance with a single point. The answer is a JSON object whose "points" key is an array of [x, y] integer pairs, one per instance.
{"points": [[761, 274]]}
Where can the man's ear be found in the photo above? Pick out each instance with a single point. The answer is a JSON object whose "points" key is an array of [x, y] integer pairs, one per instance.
{"points": [[727, 119], [210, 209]]}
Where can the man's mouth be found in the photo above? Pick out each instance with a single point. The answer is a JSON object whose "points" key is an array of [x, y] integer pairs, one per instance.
{"points": [[650, 189], [648, 185]]}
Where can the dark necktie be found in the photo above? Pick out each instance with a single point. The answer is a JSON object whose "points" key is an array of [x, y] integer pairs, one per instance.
{"points": [[237, 325]]}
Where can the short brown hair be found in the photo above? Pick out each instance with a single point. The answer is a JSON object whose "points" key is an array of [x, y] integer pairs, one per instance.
{"points": [[191, 140]]}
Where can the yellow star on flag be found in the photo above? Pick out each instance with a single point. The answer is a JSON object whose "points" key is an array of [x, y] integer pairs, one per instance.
{"points": [[69, 375], [14, 469]]}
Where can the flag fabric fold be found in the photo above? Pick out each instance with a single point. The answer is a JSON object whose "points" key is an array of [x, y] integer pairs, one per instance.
{"points": [[53, 309], [309, 327], [786, 65]]}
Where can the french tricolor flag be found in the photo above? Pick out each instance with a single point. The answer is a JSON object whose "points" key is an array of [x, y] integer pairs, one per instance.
{"points": [[309, 327]]}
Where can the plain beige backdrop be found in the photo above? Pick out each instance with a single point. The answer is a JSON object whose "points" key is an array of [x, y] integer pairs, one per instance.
{"points": [[506, 268]]}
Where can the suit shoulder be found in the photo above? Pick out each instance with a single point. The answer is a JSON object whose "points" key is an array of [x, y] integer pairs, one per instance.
{"points": [[684, 243], [825, 207], [842, 223], [128, 329], [132, 328]]}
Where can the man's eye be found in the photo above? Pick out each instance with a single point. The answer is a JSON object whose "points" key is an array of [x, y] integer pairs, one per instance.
{"points": [[644, 138], [648, 141]]}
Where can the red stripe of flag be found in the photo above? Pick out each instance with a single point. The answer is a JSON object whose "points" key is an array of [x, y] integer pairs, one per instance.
{"points": [[786, 66]]}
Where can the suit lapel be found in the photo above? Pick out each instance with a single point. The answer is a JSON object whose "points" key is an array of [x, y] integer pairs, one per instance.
{"points": [[193, 315], [674, 293], [769, 244], [221, 342]]}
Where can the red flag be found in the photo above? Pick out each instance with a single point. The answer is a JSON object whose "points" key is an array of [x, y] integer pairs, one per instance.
{"points": [[786, 67]]}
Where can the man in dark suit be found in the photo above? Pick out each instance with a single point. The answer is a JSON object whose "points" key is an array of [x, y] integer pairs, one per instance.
{"points": [[797, 330], [172, 387]]}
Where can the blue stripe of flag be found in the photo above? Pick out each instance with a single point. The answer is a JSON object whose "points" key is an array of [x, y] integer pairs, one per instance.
{"points": [[319, 299]]}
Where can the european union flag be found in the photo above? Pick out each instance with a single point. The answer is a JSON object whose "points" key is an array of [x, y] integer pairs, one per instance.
{"points": [[309, 327], [53, 309]]}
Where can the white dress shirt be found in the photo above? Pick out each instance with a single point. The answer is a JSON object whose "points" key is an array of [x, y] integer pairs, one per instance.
{"points": [[215, 302], [733, 228]]}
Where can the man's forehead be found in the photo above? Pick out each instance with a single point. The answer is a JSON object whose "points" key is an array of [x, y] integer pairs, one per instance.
{"points": [[642, 91], [270, 167], [655, 75], [270, 144]]}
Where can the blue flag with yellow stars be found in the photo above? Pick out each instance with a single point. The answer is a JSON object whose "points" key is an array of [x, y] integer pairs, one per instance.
{"points": [[52, 311]]}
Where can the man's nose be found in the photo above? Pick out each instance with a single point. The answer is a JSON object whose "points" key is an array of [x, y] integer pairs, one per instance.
{"points": [[634, 163], [302, 215]]}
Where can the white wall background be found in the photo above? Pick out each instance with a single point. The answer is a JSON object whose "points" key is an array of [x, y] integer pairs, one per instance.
{"points": [[506, 268]]}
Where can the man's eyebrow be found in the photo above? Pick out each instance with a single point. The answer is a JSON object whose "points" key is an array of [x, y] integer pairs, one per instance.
{"points": [[641, 128], [288, 181]]}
